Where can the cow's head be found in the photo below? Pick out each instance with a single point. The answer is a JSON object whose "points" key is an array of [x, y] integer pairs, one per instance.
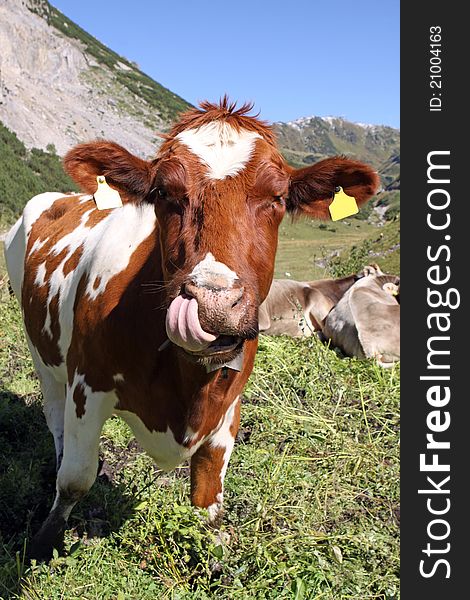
{"points": [[220, 189]]}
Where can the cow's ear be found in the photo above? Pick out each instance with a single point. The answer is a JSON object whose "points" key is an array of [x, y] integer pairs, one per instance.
{"points": [[311, 189], [125, 172]]}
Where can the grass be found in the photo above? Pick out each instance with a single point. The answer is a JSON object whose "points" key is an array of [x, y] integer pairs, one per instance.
{"points": [[306, 246], [311, 492], [382, 246]]}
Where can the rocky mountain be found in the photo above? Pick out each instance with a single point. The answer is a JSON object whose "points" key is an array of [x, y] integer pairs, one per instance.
{"points": [[61, 86], [309, 139]]}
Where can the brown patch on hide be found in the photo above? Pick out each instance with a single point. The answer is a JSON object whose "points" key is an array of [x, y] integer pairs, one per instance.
{"points": [[80, 400]]}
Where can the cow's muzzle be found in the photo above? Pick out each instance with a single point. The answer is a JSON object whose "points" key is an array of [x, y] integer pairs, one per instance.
{"points": [[210, 321]]}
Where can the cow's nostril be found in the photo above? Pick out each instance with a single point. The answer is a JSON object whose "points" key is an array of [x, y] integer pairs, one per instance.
{"points": [[237, 296], [186, 292]]}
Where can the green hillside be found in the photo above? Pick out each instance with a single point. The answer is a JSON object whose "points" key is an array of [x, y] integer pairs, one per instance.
{"points": [[381, 246], [25, 173], [390, 172], [310, 139]]}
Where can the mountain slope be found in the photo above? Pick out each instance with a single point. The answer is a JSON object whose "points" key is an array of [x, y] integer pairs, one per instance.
{"points": [[59, 85], [309, 139]]}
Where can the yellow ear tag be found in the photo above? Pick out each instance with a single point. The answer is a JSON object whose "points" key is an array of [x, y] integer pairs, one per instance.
{"points": [[342, 206], [106, 197]]}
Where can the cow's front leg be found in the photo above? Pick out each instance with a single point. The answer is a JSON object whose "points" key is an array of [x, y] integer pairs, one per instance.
{"points": [[85, 413], [209, 465]]}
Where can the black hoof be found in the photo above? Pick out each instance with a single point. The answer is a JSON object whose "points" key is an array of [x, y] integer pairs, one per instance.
{"points": [[48, 538]]}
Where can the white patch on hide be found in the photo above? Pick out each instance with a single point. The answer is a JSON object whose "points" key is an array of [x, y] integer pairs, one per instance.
{"points": [[81, 440], [37, 246], [160, 445], [215, 508], [223, 438], [40, 278], [16, 238]]}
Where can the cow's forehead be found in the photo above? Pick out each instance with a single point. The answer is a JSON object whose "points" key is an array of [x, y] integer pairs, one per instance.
{"points": [[222, 149]]}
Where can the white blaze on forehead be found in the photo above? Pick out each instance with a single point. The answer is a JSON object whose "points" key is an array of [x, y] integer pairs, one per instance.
{"points": [[211, 272], [222, 148]]}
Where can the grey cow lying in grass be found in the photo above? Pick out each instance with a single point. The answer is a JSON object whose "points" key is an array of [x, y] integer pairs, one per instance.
{"points": [[366, 321], [299, 308], [360, 313]]}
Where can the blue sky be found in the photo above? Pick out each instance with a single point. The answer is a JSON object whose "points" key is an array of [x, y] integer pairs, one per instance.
{"points": [[293, 59]]}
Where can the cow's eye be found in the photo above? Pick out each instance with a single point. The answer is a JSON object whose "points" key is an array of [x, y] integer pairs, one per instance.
{"points": [[168, 200], [280, 200], [157, 193]]}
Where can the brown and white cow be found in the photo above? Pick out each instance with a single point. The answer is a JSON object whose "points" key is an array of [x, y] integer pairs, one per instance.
{"points": [[299, 308], [188, 258]]}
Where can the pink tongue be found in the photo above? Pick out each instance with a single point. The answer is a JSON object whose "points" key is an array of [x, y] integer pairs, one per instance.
{"points": [[183, 327]]}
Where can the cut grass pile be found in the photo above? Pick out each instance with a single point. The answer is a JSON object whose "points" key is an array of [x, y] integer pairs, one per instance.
{"points": [[311, 506]]}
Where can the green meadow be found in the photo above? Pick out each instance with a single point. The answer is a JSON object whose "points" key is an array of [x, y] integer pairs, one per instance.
{"points": [[312, 490]]}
